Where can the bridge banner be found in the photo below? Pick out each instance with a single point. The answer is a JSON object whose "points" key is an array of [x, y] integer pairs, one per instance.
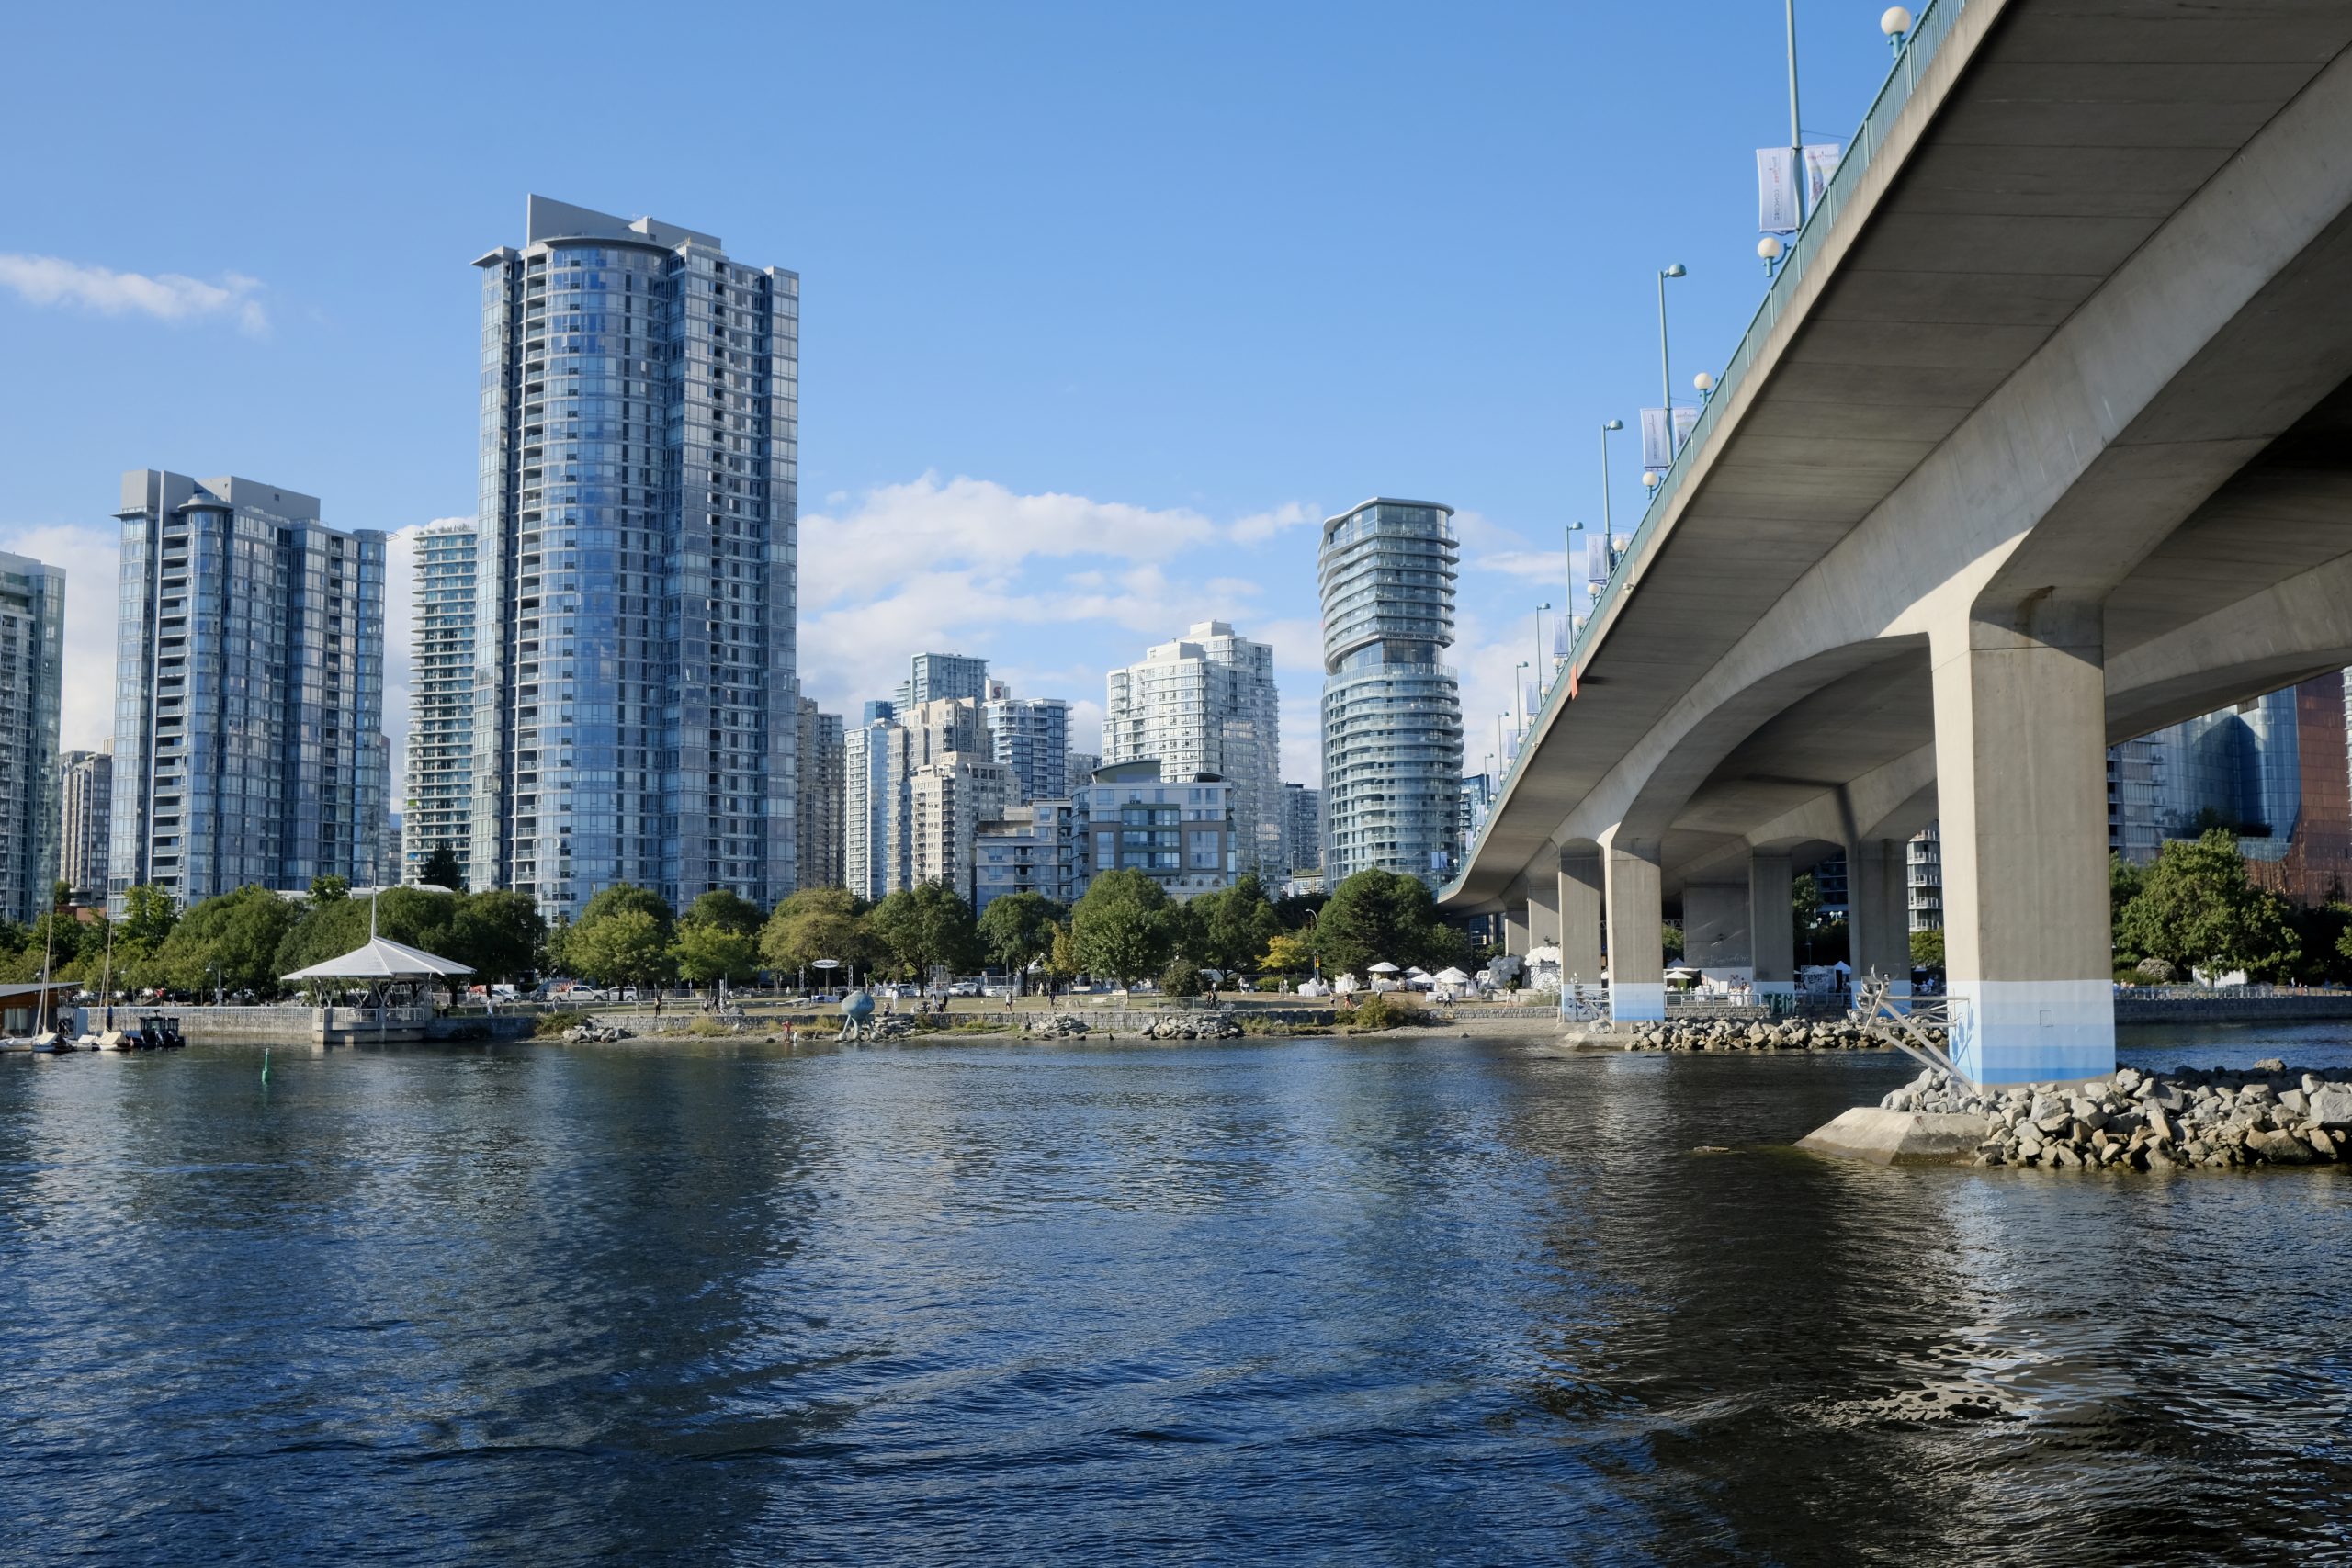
{"points": [[1776, 193], [1686, 419], [1657, 439]]}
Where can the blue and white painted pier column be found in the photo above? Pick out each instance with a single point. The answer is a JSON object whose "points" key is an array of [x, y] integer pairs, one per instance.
{"points": [[1636, 939]]}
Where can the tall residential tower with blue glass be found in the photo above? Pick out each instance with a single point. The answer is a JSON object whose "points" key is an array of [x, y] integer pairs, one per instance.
{"points": [[32, 666], [249, 692], [636, 699], [1392, 710]]}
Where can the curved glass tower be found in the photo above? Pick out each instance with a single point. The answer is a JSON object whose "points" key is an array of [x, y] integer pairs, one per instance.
{"points": [[636, 710], [1392, 713]]}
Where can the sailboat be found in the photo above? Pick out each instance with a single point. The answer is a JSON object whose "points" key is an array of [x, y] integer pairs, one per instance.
{"points": [[109, 1038], [47, 1040]]}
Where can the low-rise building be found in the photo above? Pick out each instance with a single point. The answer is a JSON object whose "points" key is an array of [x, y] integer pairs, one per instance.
{"points": [[1178, 830]]}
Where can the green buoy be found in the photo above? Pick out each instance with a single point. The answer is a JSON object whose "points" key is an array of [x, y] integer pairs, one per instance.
{"points": [[265, 1064]]}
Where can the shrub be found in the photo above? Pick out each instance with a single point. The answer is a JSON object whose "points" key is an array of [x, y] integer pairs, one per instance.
{"points": [[1382, 1010], [2156, 972], [1180, 979]]}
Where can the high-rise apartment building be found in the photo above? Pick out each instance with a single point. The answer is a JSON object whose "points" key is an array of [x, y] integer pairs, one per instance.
{"points": [[1391, 711], [637, 708], [1302, 828], [947, 729], [86, 826], [1176, 828], [32, 673], [1923, 861], [867, 790], [1030, 736], [249, 692], [438, 802], [823, 786], [1206, 704], [1080, 771], [2272, 770], [943, 677], [949, 799]]}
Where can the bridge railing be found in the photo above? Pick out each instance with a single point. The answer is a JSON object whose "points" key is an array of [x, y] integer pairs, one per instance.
{"points": [[1932, 27]]}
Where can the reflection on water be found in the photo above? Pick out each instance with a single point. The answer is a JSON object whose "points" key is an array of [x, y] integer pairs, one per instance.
{"points": [[1445, 1300]]}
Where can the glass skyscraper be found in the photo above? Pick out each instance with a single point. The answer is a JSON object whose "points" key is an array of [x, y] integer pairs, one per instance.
{"points": [[249, 692], [1392, 713], [438, 804], [1030, 736], [32, 666], [636, 704], [86, 835]]}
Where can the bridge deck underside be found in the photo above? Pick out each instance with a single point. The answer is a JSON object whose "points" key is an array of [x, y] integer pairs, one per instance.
{"points": [[2065, 140]]}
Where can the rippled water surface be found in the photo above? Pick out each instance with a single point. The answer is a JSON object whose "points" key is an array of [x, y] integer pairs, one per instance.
{"points": [[1444, 1301]]}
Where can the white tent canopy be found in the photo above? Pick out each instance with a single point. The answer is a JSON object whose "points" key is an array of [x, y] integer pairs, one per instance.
{"points": [[380, 959]]}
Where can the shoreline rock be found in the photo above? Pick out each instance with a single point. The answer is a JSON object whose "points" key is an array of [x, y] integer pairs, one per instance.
{"points": [[1738, 1034], [2211, 1118]]}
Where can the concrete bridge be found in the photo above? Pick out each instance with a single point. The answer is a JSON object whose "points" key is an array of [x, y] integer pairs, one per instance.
{"points": [[2041, 439]]}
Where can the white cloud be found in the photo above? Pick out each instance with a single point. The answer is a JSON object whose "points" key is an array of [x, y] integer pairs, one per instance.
{"points": [[1259, 526], [167, 296], [91, 554], [928, 524]]}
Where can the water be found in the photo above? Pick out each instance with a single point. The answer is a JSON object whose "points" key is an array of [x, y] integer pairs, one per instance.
{"points": [[1322, 1301]]}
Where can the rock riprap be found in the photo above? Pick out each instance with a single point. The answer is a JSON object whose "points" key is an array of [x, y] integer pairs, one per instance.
{"points": [[2268, 1114], [1739, 1034], [594, 1033], [1193, 1026], [1058, 1026]]}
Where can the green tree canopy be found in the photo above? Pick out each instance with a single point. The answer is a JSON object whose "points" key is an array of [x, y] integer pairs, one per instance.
{"points": [[331, 927], [1124, 928], [234, 939], [814, 923], [148, 914], [727, 909], [618, 957], [2197, 910], [442, 870], [1382, 916], [707, 950], [917, 927], [1233, 925], [326, 889], [1927, 949], [1015, 928], [499, 934], [622, 946]]}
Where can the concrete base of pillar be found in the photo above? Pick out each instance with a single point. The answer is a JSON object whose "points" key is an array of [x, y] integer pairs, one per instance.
{"points": [[2010, 1032], [1776, 988], [1637, 1001], [1896, 1137]]}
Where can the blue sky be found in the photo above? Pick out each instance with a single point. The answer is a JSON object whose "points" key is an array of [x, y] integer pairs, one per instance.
{"points": [[1104, 306]]}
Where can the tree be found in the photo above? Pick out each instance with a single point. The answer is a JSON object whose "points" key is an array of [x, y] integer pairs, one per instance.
{"points": [[1927, 949], [326, 889], [707, 951], [230, 942], [1384, 917], [332, 927], [1062, 957], [718, 938], [1122, 928], [1287, 952], [148, 914], [2197, 909], [1233, 925], [814, 923], [580, 948], [1298, 910], [1018, 926], [625, 946], [925, 927], [441, 869], [1181, 979], [500, 934]]}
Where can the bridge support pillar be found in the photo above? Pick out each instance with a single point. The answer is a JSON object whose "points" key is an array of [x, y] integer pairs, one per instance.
{"points": [[2022, 748], [1714, 929], [1772, 924], [1636, 950], [1515, 930], [1882, 921], [1542, 912], [1580, 900]]}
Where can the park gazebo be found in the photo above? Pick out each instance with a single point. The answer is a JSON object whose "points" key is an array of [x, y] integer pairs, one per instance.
{"points": [[392, 973]]}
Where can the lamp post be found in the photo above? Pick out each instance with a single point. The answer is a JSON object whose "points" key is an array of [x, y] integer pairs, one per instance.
{"points": [[1706, 384], [1568, 555], [1608, 523], [1895, 24], [1541, 663], [1796, 136], [1518, 701], [1769, 251], [1665, 366]]}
